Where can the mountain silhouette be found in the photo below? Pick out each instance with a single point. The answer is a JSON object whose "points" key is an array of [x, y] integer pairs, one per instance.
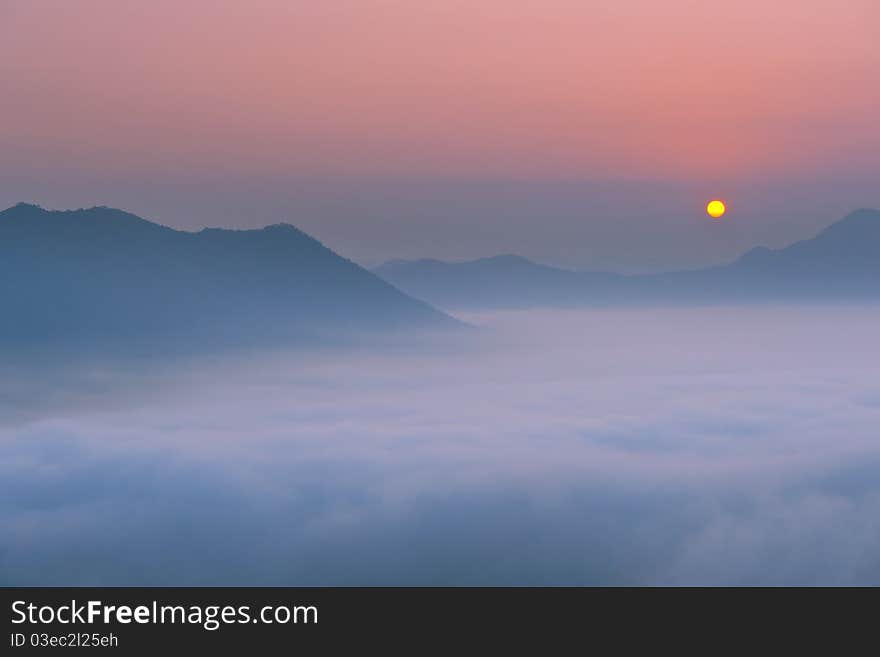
{"points": [[840, 263], [500, 281], [105, 275]]}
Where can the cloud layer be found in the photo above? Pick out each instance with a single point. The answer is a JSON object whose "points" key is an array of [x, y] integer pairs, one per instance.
{"points": [[687, 446]]}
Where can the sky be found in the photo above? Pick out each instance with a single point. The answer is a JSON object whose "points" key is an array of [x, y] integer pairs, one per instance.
{"points": [[716, 445], [576, 132]]}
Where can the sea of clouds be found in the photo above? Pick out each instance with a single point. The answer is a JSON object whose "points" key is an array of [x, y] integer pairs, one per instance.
{"points": [[717, 445]]}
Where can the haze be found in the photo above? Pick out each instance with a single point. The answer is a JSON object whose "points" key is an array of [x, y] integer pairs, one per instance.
{"points": [[586, 134], [723, 445]]}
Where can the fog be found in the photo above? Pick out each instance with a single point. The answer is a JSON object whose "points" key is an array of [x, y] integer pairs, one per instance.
{"points": [[725, 445]]}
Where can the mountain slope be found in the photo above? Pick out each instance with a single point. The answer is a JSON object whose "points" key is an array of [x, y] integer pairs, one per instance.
{"points": [[841, 262], [106, 274], [501, 281]]}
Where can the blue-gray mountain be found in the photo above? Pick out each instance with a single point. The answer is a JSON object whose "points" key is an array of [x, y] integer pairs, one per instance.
{"points": [[840, 263], [103, 274]]}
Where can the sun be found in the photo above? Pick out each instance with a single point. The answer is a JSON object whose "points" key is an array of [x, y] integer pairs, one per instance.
{"points": [[715, 209]]}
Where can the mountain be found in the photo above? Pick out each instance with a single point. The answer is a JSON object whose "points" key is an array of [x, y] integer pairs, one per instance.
{"points": [[107, 275], [842, 262], [497, 282]]}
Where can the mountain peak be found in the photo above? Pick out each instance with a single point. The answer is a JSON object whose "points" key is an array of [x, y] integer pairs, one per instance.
{"points": [[100, 216], [283, 226], [101, 273], [863, 217], [863, 213], [854, 229], [278, 229], [21, 209], [509, 259]]}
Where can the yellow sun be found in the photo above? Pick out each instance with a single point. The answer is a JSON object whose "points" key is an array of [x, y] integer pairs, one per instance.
{"points": [[715, 209]]}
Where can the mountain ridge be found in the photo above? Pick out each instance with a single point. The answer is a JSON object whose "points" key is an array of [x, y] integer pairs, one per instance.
{"points": [[841, 260], [105, 274]]}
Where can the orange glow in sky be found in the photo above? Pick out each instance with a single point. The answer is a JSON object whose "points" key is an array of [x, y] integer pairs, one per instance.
{"points": [[535, 88]]}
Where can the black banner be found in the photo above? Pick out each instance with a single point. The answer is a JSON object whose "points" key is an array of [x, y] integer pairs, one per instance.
{"points": [[150, 620]]}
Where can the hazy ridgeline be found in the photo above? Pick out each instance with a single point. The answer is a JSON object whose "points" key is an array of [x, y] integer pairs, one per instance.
{"points": [[637, 393], [840, 263], [97, 281], [729, 444]]}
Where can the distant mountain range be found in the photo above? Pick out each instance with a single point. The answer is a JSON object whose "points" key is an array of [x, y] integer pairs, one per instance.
{"points": [[840, 263], [107, 275]]}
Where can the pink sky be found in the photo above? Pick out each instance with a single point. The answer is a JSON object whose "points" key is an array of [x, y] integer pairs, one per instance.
{"points": [[445, 128], [546, 89]]}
